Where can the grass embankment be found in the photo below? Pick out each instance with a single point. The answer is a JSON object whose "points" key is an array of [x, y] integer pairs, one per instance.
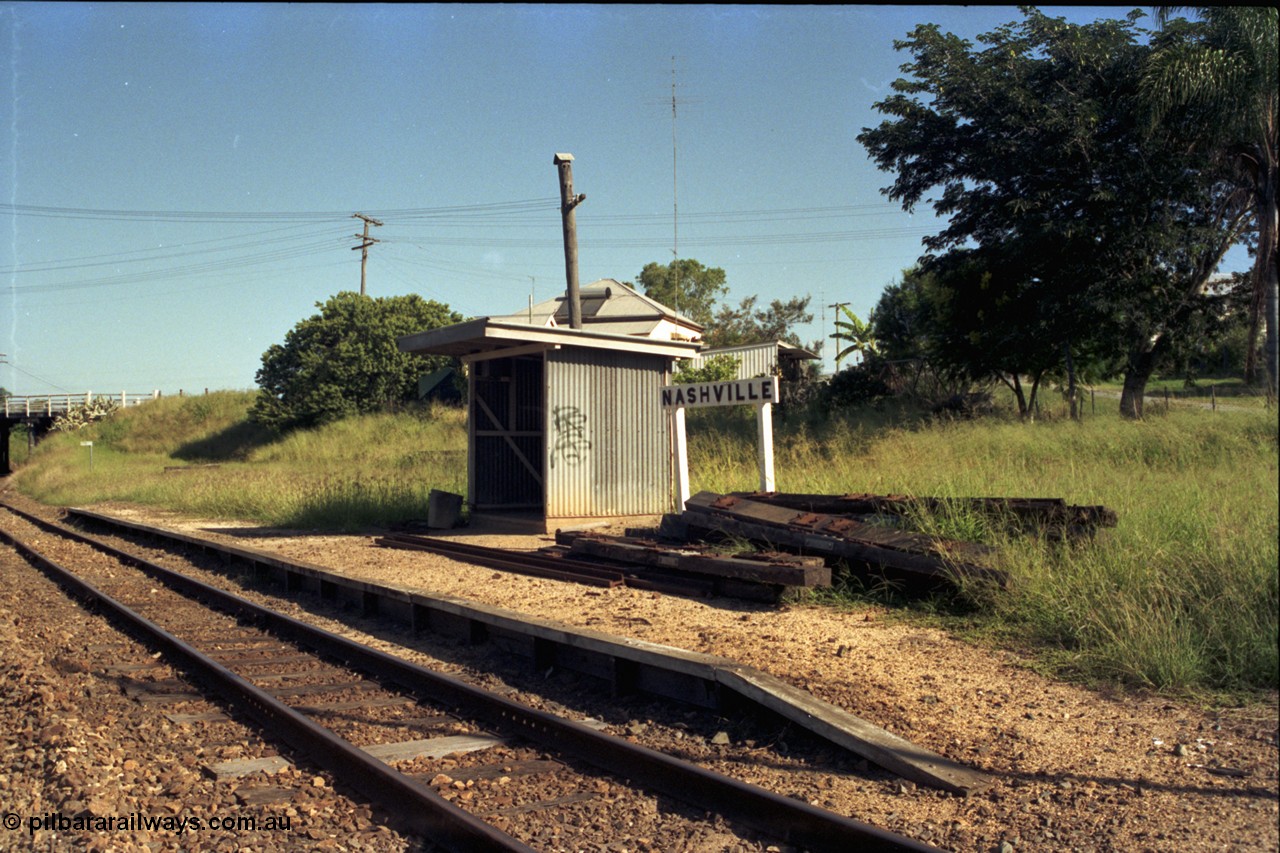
{"points": [[1182, 595], [347, 476]]}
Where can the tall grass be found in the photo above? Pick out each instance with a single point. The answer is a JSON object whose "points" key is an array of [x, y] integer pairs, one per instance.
{"points": [[1183, 594]]}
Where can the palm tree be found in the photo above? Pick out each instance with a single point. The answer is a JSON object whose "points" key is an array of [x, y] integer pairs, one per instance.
{"points": [[1225, 74], [860, 335]]}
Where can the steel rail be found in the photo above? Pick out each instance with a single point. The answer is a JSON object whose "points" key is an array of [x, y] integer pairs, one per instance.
{"points": [[773, 814], [422, 809]]}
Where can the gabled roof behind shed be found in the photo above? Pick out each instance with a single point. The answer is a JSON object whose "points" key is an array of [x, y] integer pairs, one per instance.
{"points": [[609, 306]]}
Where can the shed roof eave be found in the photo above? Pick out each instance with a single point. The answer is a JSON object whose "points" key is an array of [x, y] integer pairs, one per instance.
{"points": [[485, 334]]}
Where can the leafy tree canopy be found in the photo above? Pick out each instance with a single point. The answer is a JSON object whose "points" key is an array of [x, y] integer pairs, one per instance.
{"points": [[748, 324], [1220, 72], [1072, 224], [345, 361], [686, 286], [696, 290], [902, 321]]}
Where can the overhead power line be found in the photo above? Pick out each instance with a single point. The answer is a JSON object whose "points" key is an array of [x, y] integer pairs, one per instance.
{"points": [[515, 212], [495, 208], [30, 375], [423, 229], [302, 250], [661, 242], [177, 250]]}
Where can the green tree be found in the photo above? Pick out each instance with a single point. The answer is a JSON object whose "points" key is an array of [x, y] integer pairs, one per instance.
{"points": [[748, 324], [695, 291], [686, 286], [717, 368], [345, 361], [1216, 343], [1222, 72], [905, 324], [963, 320], [902, 319], [989, 322], [1070, 228]]}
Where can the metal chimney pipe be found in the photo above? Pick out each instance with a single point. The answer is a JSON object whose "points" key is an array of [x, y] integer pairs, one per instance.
{"points": [[568, 201]]}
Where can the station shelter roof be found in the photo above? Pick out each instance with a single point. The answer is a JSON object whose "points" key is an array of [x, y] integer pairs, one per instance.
{"points": [[613, 317]]}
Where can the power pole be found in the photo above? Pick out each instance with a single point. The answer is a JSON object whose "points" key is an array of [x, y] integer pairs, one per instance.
{"points": [[822, 342], [568, 202], [366, 242], [837, 306]]}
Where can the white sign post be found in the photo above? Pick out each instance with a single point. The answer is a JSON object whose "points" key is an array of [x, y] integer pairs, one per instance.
{"points": [[89, 444], [761, 393]]}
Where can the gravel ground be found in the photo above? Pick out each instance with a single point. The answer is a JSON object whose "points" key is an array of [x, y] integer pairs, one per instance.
{"points": [[80, 758], [589, 812], [1074, 768]]}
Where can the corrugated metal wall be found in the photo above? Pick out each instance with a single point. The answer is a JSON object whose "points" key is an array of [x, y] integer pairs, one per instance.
{"points": [[759, 360], [608, 438]]}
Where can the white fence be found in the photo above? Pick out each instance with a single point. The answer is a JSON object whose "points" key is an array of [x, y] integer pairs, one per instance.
{"points": [[53, 404]]}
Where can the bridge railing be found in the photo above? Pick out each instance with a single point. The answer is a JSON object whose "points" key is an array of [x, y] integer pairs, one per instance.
{"points": [[54, 404]]}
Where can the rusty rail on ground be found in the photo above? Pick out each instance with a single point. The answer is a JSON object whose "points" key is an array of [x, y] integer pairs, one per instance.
{"points": [[543, 565]]}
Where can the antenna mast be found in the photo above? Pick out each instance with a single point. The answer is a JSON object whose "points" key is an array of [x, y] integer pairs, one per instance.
{"points": [[675, 194]]}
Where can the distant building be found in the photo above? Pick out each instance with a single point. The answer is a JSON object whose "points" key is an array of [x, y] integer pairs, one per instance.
{"points": [[610, 306], [771, 358]]}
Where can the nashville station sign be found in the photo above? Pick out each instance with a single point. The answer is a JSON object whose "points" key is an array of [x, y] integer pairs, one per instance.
{"points": [[761, 393], [740, 392]]}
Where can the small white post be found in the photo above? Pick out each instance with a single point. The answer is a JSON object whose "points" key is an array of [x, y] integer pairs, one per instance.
{"points": [[682, 458], [764, 424]]}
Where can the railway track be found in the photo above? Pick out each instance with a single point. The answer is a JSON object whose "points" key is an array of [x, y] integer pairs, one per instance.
{"points": [[464, 767]]}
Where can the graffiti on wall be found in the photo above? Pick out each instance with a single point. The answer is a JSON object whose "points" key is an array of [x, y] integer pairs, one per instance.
{"points": [[571, 442]]}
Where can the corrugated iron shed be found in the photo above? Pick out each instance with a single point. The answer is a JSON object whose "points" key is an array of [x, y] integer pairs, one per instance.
{"points": [[563, 422]]}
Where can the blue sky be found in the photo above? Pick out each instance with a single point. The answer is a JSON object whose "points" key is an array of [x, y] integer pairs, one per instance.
{"points": [[181, 177]]}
